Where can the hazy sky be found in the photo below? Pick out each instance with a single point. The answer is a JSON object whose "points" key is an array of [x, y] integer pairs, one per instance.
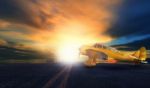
{"points": [[51, 23]]}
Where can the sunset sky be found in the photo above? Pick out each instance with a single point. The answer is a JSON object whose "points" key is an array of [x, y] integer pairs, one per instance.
{"points": [[56, 24]]}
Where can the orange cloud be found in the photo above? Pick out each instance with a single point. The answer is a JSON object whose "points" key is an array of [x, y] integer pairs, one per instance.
{"points": [[4, 24], [63, 23], [3, 42], [82, 18]]}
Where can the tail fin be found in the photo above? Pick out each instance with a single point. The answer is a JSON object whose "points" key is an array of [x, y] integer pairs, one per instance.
{"points": [[141, 54]]}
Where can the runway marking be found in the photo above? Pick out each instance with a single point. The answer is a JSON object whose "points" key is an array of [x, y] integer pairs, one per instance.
{"points": [[63, 82]]}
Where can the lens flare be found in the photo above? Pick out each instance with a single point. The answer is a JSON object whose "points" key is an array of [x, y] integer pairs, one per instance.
{"points": [[68, 54], [68, 37], [71, 37]]}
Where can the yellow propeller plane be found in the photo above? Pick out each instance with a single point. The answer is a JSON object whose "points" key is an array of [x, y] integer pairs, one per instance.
{"points": [[99, 53]]}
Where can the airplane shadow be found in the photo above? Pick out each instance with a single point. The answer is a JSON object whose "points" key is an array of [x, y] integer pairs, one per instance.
{"points": [[122, 66]]}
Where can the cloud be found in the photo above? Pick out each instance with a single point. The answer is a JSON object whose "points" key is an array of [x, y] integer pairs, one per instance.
{"points": [[53, 22], [19, 11], [132, 17], [39, 13], [129, 39], [4, 24], [135, 45], [3, 42]]}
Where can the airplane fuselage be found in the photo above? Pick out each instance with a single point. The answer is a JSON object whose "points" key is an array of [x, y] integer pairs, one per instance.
{"points": [[112, 55]]}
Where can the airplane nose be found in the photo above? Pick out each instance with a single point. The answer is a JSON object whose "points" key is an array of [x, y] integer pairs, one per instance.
{"points": [[82, 53]]}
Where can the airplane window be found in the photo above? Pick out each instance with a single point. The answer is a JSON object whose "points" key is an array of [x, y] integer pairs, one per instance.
{"points": [[97, 45], [101, 46], [104, 47]]}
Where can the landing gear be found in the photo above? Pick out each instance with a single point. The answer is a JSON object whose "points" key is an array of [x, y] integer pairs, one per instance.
{"points": [[90, 62]]}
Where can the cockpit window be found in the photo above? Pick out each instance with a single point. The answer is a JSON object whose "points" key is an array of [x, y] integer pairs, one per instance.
{"points": [[104, 47], [97, 45]]}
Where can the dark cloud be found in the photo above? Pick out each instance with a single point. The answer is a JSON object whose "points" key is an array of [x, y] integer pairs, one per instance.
{"points": [[14, 28], [129, 39], [133, 17], [134, 45], [10, 53], [18, 11]]}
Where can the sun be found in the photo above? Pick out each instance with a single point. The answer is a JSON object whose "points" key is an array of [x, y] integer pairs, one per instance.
{"points": [[68, 53], [70, 37]]}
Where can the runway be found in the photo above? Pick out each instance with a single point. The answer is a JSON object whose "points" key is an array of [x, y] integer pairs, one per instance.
{"points": [[52, 75]]}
